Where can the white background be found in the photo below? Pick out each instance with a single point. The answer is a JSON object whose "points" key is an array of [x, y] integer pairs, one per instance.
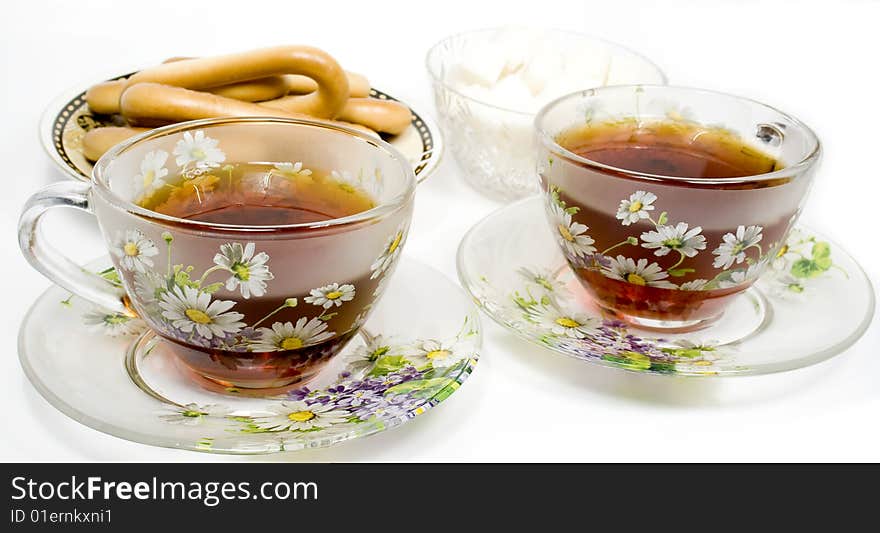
{"points": [[815, 60]]}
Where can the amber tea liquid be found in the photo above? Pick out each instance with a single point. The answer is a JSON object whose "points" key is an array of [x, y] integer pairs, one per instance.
{"points": [[257, 194], [668, 148]]}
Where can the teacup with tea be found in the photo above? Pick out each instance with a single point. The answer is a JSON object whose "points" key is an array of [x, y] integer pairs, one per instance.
{"points": [[255, 247], [669, 202]]}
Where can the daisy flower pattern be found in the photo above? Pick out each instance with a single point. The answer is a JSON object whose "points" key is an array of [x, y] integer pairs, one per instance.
{"points": [[693, 285], [300, 416], [568, 323], [366, 355], [112, 324], [249, 271], [734, 246], [152, 171], [783, 257], [198, 149], [287, 336], [739, 277], [134, 250], [636, 207], [149, 286], [543, 278], [787, 287], [638, 273], [192, 414], [437, 354], [330, 295], [192, 311], [571, 234], [678, 238], [390, 253], [292, 170]]}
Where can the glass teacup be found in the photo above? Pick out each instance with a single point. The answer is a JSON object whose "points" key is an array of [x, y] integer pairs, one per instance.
{"points": [[251, 306], [664, 251]]}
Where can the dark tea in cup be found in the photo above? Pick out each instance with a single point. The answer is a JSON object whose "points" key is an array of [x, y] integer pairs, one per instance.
{"points": [[665, 218], [273, 197]]}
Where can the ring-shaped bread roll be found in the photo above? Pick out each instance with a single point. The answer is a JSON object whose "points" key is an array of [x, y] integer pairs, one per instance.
{"points": [[207, 72], [153, 103], [380, 115]]}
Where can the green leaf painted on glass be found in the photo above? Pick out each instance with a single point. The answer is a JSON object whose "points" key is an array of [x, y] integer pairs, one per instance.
{"points": [[822, 255], [181, 277], [666, 367], [111, 275], [212, 288], [388, 364], [821, 249], [631, 360], [688, 353], [679, 272], [664, 218], [807, 268], [446, 392], [420, 388]]}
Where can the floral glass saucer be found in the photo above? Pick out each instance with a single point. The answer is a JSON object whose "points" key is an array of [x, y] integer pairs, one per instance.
{"points": [[109, 373], [813, 303]]}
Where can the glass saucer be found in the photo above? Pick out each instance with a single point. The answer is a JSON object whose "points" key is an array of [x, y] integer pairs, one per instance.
{"points": [[792, 317], [109, 373]]}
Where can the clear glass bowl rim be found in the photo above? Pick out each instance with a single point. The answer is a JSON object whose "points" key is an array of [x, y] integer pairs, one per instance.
{"points": [[438, 79]]}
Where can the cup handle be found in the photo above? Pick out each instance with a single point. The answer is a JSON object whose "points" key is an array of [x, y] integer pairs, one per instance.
{"points": [[49, 261]]}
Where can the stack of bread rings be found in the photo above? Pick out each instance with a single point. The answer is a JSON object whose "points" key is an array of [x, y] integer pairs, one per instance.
{"points": [[284, 81]]}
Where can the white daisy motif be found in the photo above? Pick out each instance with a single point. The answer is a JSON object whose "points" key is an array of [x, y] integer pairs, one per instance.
{"points": [[439, 354], [389, 254], [330, 295], [671, 109], [300, 416], [192, 414], [693, 285], [287, 336], [366, 355], [134, 250], [787, 287], [249, 271], [734, 247], [347, 181], [571, 234], [543, 278], [152, 171], [292, 170], [783, 257], [739, 277], [199, 149], [697, 357], [149, 286], [637, 273], [678, 238], [636, 207], [567, 323], [190, 310], [112, 324]]}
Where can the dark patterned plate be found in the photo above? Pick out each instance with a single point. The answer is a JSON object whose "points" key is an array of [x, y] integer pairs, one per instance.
{"points": [[68, 118]]}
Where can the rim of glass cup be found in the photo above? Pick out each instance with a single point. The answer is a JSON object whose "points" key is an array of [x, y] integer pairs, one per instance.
{"points": [[437, 78], [101, 185], [549, 141]]}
